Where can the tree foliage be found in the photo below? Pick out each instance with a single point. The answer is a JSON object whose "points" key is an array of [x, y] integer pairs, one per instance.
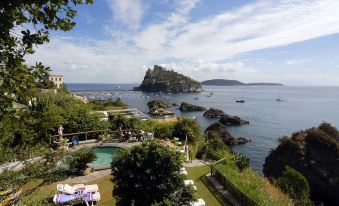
{"points": [[187, 127], [149, 174], [78, 160], [25, 24], [295, 185], [314, 153]]}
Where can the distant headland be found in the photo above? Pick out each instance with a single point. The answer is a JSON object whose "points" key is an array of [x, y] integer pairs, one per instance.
{"points": [[226, 82], [159, 79]]}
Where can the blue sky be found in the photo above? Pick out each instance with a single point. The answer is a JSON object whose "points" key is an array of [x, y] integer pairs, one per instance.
{"points": [[115, 41]]}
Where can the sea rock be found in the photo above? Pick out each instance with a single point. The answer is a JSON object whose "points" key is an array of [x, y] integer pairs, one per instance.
{"points": [[175, 105], [214, 113], [232, 120], [185, 107], [158, 104], [159, 79], [220, 130]]}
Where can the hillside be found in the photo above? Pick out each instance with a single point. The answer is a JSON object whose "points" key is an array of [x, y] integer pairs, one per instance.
{"points": [[159, 79], [315, 154], [226, 82]]}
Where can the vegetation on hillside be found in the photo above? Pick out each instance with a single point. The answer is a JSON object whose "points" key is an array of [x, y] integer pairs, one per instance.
{"points": [[314, 153], [29, 132], [160, 73]]}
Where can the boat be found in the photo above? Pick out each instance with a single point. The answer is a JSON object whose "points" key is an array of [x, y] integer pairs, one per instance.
{"points": [[279, 98], [240, 101], [209, 95], [196, 98]]}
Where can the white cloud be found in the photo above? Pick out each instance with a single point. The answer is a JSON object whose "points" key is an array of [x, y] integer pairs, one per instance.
{"points": [[297, 61], [175, 38], [129, 12]]}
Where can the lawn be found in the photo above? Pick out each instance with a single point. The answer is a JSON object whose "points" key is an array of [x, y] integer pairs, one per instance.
{"points": [[36, 194], [205, 189]]}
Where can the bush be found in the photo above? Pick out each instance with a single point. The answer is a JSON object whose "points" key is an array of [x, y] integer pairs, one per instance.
{"points": [[79, 159], [187, 127], [164, 130], [295, 185], [241, 161], [149, 174]]}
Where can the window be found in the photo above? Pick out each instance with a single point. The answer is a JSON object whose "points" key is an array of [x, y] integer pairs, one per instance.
{"points": [[60, 79]]}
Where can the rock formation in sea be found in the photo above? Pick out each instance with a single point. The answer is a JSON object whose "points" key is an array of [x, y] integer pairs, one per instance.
{"points": [[186, 107], [159, 79], [158, 107], [158, 104], [314, 153], [214, 113], [220, 130], [232, 120]]}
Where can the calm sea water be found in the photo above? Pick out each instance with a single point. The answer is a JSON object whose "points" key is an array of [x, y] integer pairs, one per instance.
{"points": [[302, 108]]}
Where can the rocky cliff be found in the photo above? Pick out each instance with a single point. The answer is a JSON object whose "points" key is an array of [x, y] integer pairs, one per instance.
{"points": [[315, 154], [159, 79]]}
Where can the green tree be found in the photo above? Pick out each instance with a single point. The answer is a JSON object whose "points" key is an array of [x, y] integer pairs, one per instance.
{"points": [[149, 174], [295, 185], [187, 127], [16, 41]]}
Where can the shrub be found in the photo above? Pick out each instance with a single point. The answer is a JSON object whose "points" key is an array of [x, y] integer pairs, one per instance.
{"points": [[187, 127], [295, 185], [241, 161], [149, 174], [79, 159]]}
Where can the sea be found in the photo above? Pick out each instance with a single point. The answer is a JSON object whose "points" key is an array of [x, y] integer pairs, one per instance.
{"points": [[302, 107]]}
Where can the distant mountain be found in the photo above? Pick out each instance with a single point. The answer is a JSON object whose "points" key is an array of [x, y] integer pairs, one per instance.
{"points": [[226, 82], [222, 82]]}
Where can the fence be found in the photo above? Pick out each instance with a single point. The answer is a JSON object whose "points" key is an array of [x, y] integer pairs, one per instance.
{"points": [[242, 197]]}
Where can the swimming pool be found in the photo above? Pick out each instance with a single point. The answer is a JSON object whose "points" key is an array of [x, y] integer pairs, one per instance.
{"points": [[104, 157]]}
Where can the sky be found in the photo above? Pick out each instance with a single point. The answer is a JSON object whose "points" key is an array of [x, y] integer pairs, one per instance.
{"points": [[294, 42]]}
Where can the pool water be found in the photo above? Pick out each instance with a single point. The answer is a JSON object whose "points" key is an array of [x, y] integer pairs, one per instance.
{"points": [[104, 156]]}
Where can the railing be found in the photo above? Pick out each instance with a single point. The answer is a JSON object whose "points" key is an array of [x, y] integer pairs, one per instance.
{"points": [[241, 196], [125, 112]]}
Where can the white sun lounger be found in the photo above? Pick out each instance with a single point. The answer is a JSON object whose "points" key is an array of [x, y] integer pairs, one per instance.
{"points": [[87, 197], [80, 188], [183, 171], [198, 202], [190, 182]]}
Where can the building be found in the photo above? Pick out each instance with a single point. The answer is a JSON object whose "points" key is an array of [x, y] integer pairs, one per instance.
{"points": [[58, 80]]}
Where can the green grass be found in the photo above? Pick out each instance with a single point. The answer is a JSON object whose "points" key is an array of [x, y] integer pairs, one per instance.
{"points": [[205, 189], [35, 194], [256, 187]]}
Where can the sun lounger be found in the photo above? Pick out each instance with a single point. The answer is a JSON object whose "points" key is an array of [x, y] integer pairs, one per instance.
{"points": [[87, 197], [183, 171], [198, 202], [80, 188]]}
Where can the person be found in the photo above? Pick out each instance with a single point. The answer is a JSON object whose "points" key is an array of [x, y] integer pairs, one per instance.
{"points": [[120, 133], [60, 132], [75, 140]]}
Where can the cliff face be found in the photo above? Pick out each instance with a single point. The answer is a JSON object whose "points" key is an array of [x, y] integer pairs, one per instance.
{"points": [[315, 154], [161, 80]]}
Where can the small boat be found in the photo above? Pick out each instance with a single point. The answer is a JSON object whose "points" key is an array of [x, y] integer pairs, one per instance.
{"points": [[196, 98], [279, 100], [240, 101], [210, 94]]}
